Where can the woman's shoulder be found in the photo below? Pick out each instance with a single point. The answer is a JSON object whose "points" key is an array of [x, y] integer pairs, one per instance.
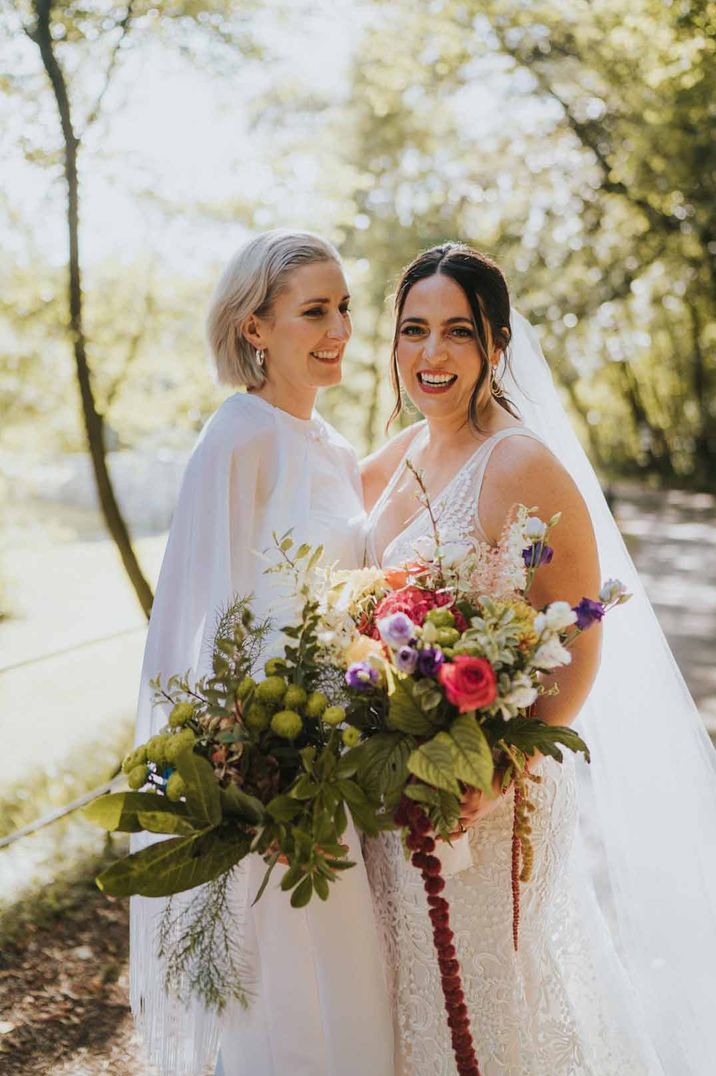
{"points": [[336, 438], [377, 469], [523, 470], [236, 425]]}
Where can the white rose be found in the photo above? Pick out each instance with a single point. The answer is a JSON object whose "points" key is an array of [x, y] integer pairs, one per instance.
{"points": [[551, 654]]}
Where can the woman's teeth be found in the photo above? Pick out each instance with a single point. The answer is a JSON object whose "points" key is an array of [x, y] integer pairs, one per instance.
{"points": [[434, 382], [326, 356]]}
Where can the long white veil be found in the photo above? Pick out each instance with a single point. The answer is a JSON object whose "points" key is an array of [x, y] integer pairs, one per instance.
{"points": [[653, 774]]}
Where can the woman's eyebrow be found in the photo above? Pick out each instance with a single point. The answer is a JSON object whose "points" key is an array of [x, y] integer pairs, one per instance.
{"points": [[306, 302], [448, 321]]}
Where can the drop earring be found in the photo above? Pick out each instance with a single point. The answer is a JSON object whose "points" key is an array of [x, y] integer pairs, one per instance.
{"points": [[260, 356]]}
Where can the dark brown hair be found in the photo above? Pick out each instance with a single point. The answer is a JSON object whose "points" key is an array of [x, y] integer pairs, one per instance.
{"points": [[486, 291]]}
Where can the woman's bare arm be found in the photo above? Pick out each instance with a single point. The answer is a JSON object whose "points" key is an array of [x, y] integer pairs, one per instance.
{"points": [[522, 470]]}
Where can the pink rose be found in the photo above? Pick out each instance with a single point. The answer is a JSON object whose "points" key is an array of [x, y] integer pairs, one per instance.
{"points": [[469, 682]]}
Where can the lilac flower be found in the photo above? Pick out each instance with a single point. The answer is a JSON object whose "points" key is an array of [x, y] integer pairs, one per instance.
{"points": [[588, 612], [537, 554], [406, 659], [430, 659], [361, 675], [611, 591], [396, 630]]}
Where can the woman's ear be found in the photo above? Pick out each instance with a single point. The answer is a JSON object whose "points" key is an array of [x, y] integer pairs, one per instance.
{"points": [[251, 331]]}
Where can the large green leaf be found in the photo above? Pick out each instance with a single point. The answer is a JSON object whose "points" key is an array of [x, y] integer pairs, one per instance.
{"points": [[434, 763], [119, 810], [530, 735], [239, 804], [284, 808], [423, 794], [173, 866], [405, 712], [384, 762], [473, 758], [165, 822], [203, 800]]}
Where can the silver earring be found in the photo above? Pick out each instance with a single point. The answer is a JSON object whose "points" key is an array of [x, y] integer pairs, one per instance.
{"points": [[261, 357]]}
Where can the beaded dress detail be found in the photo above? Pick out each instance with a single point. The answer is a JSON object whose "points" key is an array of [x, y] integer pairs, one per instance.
{"points": [[561, 1005]]}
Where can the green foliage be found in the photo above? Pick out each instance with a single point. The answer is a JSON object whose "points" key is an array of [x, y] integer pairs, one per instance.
{"points": [[119, 811], [203, 802], [174, 865], [197, 943], [406, 712], [529, 735], [471, 753], [434, 763], [382, 762]]}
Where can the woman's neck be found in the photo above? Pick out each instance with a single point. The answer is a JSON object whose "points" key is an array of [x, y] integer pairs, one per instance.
{"points": [[295, 401], [446, 433]]}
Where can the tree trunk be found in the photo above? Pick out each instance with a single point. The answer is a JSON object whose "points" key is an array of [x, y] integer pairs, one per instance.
{"points": [[705, 440], [93, 420]]}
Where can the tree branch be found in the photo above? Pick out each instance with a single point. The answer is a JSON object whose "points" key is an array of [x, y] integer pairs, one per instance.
{"points": [[124, 26]]}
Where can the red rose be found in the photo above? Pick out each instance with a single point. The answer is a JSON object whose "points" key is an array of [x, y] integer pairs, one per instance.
{"points": [[469, 682]]}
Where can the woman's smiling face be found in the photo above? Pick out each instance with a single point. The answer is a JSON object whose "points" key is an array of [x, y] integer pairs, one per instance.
{"points": [[439, 356]]}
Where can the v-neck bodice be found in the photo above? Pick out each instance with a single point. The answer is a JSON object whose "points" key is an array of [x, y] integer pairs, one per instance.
{"points": [[455, 507]]}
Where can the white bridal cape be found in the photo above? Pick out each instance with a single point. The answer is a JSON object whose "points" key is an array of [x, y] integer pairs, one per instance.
{"points": [[317, 975]]}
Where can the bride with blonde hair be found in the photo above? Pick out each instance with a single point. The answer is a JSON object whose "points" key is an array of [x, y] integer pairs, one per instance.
{"points": [[265, 462]]}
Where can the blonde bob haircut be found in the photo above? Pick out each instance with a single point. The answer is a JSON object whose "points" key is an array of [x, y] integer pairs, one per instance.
{"points": [[250, 283]]}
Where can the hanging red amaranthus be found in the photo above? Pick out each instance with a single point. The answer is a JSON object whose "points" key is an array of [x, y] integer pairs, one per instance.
{"points": [[422, 845]]}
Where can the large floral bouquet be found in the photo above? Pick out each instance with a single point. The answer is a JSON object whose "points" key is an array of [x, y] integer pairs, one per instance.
{"points": [[246, 763], [449, 662], [396, 691]]}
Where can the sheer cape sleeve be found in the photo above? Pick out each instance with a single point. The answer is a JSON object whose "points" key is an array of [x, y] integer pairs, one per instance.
{"points": [[211, 556]]}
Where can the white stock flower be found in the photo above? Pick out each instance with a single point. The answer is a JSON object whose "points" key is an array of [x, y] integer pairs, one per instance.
{"points": [[535, 529], [556, 617], [453, 553], [522, 693], [349, 585], [424, 547], [551, 654]]}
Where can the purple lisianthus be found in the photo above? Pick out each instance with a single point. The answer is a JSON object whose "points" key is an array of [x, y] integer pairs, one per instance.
{"points": [[429, 660], [588, 612], [361, 675], [406, 659], [537, 554], [396, 630]]}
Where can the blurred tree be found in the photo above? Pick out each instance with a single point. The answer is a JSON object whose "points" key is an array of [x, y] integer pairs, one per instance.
{"points": [[601, 171], [68, 36]]}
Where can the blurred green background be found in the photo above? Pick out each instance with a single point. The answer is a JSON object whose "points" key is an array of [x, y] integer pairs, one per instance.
{"points": [[572, 142]]}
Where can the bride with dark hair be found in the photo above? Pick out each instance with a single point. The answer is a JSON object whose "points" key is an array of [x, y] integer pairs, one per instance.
{"points": [[578, 998]]}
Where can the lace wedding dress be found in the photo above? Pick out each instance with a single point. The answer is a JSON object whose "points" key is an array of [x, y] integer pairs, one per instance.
{"points": [[561, 1005]]}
